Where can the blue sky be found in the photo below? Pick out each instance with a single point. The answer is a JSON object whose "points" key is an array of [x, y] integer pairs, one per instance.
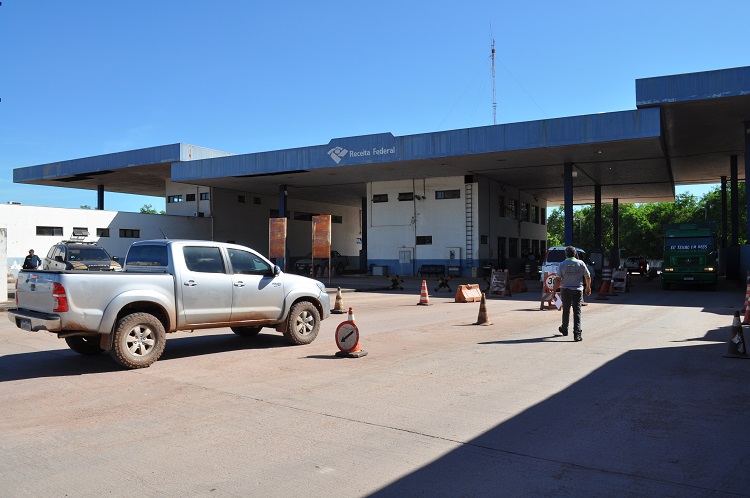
{"points": [[91, 77]]}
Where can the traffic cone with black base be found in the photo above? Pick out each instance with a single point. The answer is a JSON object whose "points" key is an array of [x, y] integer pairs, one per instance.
{"points": [[483, 319], [424, 298], [736, 347], [338, 306]]}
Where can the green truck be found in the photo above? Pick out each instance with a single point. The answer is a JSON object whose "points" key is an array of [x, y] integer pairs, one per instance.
{"points": [[690, 255]]}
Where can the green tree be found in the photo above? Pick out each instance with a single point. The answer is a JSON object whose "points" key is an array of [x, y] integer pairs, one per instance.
{"points": [[148, 209], [85, 206], [641, 225]]}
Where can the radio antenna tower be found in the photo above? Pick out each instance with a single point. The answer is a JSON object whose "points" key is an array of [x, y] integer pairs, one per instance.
{"points": [[494, 99]]}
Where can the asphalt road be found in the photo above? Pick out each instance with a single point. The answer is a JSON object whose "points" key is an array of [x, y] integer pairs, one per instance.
{"points": [[645, 406]]}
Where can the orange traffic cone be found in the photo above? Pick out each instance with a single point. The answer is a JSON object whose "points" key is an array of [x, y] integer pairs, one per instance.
{"points": [[483, 319], [603, 291], [350, 318], [338, 306], [746, 320], [424, 299], [736, 347]]}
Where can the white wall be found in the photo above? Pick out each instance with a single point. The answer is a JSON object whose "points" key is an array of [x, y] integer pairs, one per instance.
{"points": [[3, 263], [396, 224], [188, 208], [22, 222]]}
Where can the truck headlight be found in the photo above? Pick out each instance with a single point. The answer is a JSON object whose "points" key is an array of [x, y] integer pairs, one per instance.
{"points": [[708, 269]]}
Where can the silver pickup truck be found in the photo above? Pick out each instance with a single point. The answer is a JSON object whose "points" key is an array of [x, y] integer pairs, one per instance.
{"points": [[166, 286]]}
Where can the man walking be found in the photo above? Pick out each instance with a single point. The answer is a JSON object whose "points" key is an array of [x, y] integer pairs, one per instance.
{"points": [[570, 278]]}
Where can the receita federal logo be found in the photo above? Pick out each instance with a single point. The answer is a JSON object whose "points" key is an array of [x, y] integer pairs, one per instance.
{"points": [[337, 153]]}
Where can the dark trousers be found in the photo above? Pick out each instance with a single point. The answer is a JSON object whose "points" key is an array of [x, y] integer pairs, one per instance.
{"points": [[572, 298]]}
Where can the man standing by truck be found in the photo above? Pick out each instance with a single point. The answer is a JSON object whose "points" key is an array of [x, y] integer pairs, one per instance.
{"points": [[32, 261], [570, 279]]}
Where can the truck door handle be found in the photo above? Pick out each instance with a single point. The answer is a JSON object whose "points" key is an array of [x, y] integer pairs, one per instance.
{"points": [[239, 284], [190, 283]]}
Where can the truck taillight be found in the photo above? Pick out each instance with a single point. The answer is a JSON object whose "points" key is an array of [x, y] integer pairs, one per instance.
{"points": [[61, 300]]}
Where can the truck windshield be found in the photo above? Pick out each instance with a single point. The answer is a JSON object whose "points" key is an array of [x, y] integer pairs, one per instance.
{"points": [[88, 254], [690, 244], [147, 256]]}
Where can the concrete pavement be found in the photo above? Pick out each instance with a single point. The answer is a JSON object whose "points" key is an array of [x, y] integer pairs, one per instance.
{"points": [[645, 406]]}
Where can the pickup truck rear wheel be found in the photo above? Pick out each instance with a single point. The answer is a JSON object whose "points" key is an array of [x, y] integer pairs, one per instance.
{"points": [[246, 331], [85, 345], [139, 340], [303, 323]]}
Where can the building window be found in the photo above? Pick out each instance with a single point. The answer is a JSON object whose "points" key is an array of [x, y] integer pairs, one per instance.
{"points": [[335, 218], [447, 194], [203, 196], [534, 247], [483, 240], [544, 216], [189, 197], [102, 232], [174, 198], [510, 212], [512, 247], [256, 200], [380, 198], [53, 231], [501, 207], [524, 211], [542, 247], [535, 214], [241, 199], [130, 233], [406, 196], [525, 246], [424, 240]]}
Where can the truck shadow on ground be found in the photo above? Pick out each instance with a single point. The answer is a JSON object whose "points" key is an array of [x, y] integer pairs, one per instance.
{"points": [[64, 362], [659, 422]]}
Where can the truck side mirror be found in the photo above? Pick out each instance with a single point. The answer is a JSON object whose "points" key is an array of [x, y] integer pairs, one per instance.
{"points": [[115, 258], [276, 270]]}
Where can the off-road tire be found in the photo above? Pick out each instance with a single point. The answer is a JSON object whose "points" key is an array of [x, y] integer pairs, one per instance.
{"points": [[85, 345], [246, 331], [303, 323], [139, 340]]}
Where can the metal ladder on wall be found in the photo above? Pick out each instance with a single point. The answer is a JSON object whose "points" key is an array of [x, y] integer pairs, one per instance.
{"points": [[468, 188]]}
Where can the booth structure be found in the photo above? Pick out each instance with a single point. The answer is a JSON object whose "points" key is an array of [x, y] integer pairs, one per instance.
{"points": [[466, 199]]}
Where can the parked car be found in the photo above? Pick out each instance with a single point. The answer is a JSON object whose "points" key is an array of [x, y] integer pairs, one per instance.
{"points": [[77, 255], [556, 255], [636, 264], [167, 286], [338, 262]]}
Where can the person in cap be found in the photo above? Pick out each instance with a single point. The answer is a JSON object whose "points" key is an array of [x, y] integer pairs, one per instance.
{"points": [[32, 261], [570, 279]]}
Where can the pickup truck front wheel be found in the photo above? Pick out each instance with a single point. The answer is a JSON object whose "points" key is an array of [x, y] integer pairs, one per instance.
{"points": [[85, 345], [139, 340], [303, 323]]}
